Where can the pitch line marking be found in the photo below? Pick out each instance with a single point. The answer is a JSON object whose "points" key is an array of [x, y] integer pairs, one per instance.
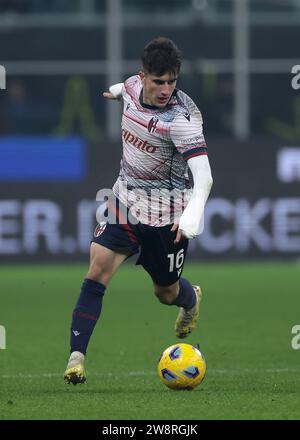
{"points": [[151, 373]]}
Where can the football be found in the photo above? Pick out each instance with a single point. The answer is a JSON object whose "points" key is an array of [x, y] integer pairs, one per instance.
{"points": [[181, 367]]}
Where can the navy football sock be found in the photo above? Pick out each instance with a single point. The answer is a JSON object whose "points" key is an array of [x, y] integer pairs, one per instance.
{"points": [[86, 314], [186, 297]]}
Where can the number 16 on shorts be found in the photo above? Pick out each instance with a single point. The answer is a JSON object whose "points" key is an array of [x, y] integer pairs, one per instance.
{"points": [[176, 261]]}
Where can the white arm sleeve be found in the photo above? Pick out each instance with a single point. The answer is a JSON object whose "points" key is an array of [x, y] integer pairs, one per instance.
{"points": [[192, 220], [116, 90]]}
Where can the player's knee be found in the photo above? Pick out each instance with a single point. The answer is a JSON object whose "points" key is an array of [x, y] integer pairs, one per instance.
{"points": [[166, 295], [165, 299], [99, 272]]}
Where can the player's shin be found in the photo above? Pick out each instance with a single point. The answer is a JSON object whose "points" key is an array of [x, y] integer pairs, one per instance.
{"points": [[86, 314], [186, 297]]}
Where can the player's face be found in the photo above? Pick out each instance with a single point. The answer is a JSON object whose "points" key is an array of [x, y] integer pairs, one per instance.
{"points": [[158, 89]]}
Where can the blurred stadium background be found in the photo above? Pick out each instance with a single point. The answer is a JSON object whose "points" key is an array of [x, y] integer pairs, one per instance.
{"points": [[60, 143], [60, 140]]}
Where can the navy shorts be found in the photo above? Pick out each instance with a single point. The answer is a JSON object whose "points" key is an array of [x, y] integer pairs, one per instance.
{"points": [[159, 255]]}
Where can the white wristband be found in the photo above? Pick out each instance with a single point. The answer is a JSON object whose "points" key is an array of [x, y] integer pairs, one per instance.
{"points": [[116, 90]]}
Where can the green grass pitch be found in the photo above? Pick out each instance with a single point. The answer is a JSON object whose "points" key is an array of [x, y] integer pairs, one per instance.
{"points": [[244, 332]]}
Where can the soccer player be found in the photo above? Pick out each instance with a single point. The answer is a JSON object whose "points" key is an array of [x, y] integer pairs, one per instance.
{"points": [[156, 209]]}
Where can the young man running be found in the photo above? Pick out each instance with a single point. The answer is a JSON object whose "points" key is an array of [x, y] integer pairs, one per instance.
{"points": [[156, 210]]}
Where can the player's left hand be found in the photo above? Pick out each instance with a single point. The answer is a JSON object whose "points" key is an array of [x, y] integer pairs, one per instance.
{"points": [[179, 236]]}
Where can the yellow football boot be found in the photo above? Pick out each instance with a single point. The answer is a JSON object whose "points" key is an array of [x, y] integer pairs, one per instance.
{"points": [[187, 318], [75, 372]]}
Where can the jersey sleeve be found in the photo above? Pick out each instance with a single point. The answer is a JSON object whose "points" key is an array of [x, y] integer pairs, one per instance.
{"points": [[187, 135], [132, 88]]}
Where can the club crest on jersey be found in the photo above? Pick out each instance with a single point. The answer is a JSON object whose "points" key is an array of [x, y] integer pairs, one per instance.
{"points": [[99, 229], [152, 124]]}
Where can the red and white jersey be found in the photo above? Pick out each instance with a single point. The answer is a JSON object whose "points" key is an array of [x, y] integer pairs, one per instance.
{"points": [[153, 180]]}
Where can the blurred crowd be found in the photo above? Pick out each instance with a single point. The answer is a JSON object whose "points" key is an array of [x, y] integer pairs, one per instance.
{"points": [[22, 113], [31, 106], [38, 6], [52, 6]]}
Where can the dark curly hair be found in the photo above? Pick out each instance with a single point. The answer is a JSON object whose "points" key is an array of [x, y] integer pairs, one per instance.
{"points": [[160, 56]]}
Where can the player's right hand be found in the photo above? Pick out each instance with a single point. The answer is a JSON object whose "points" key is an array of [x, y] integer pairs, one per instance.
{"points": [[114, 92], [109, 95]]}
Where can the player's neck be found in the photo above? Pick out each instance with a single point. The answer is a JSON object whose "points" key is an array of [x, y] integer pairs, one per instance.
{"points": [[145, 103]]}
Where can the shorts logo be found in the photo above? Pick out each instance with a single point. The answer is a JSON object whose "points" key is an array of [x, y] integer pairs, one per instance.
{"points": [[99, 229]]}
